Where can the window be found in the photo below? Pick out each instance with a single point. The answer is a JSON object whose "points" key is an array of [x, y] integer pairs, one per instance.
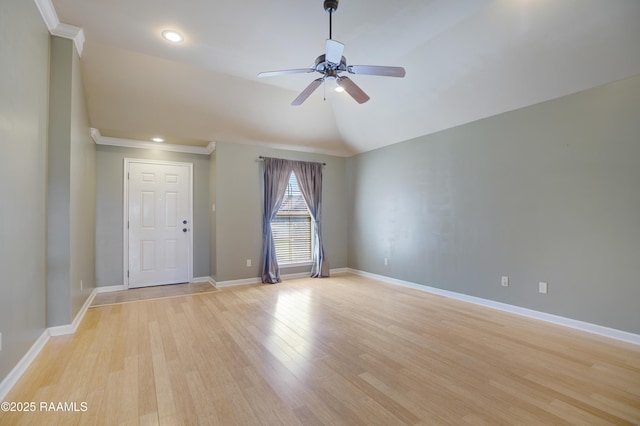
{"points": [[292, 227]]}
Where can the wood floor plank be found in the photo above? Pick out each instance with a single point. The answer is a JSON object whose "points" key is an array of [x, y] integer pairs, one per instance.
{"points": [[162, 380], [343, 351]]}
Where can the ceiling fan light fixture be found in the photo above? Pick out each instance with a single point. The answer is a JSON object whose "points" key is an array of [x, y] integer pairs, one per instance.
{"points": [[339, 89], [157, 139], [172, 36]]}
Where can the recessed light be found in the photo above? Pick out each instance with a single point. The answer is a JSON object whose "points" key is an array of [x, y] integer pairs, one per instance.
{"points": [[172, 36], [157, 139], [339, 89]]}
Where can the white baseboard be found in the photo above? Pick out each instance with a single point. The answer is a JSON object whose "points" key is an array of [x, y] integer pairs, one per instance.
{"points": [[109, 289], [258, 280], [71, 328], [204, 280], [232, 283], [14, 375], [543, 316]]}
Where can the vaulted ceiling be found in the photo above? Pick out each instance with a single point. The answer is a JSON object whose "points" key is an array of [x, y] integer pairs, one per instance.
{"points": [[465, 60]]}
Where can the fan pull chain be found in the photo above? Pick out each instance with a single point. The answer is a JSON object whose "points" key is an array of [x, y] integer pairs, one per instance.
{"points": [[324, 90]]}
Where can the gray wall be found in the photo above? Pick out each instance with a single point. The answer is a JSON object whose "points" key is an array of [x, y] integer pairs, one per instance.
{"points": [[212, 215], [238, 199], [24, 59], [109, 202], [82, 209], [546, 193], [59, 184], [71, 189]]}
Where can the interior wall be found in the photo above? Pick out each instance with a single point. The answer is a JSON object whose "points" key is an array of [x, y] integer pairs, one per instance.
{"points": [[109, 210], [239, 209], [545, 193], [59, 184], [71, 189], [212, 215], [82, 210], [24, 91]]}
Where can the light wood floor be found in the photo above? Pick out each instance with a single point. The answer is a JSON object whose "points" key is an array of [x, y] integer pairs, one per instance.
{"points": [[345, 350]]}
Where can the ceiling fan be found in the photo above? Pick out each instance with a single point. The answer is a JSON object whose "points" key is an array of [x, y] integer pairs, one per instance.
{"points": [[331, 64]]}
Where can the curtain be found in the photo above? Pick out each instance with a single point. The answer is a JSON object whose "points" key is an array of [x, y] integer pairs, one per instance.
{"points": [[276, 179], [310, 181]]}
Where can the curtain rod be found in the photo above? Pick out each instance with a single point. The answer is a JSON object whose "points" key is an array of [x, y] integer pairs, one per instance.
{"points": [[262, 158]]}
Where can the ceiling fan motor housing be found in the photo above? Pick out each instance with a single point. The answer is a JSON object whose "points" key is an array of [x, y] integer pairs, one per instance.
{"points": [[325, 67], [331, 5]]}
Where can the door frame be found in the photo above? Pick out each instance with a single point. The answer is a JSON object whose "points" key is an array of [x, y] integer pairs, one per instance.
{"points": [[125, 215]]}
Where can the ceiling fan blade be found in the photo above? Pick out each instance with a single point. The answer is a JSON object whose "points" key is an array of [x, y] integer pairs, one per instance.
{"points": [[377, 70], [284, 72], [334, 51], [351, 88], [307, 92]]}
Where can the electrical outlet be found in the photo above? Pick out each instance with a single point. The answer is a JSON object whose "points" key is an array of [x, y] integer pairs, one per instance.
{"points": [[505, 281], [0, 341], [386, 261], [81, 287], [248, 262], [543, 287]]}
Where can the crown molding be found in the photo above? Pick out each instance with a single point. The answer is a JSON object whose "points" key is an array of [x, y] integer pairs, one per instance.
{"points": [[48, 13], [132, 143], [211, 147], [73, 33], [57, 28]]}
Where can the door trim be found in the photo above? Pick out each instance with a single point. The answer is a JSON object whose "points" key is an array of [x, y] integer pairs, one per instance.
{"points": [[125, 214]]}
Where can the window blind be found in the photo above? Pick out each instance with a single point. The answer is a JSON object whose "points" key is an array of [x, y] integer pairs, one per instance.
{"points": [[291, 227]]}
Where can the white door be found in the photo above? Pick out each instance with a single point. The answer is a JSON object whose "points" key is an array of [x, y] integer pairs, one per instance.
{"points": [[159, 223]]}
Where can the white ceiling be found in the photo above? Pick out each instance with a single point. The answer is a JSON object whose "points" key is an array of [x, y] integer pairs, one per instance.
{"points": [[465, 60]]}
